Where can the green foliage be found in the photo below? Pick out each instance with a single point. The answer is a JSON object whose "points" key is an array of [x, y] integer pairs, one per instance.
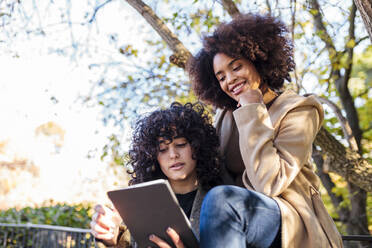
{"points": [[60, 215], [189, 97], [369, 211], [331, 209], [77, 216], [113, 149], [360, 86], [203, 20], [341, 189], [128, 50]]}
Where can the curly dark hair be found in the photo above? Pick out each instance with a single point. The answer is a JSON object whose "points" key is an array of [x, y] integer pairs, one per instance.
{"points": [[261, 39], [190, 121]]}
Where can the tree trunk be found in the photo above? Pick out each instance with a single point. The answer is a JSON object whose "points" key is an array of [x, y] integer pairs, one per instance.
{"points": [[343, 212], [343, 161], [358, 204], [365, 9]]}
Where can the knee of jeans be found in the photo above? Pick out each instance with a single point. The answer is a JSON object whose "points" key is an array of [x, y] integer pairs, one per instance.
{"points": [[217, 198]]}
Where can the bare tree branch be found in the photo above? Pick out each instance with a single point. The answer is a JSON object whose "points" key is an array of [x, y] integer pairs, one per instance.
{"points": [[318, 19], [368, 128], [268, 5], [360, 40], [181, 53], [293, 21], [350, 47], [365, 9], [96, 10], [348, 134], [364, 92], [230, 7]]}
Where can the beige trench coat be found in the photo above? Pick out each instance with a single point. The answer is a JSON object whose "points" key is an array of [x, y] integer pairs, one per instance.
{"points": [[275, 151]]}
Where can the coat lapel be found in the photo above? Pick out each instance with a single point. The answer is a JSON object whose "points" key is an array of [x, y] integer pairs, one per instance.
{"points": [[195, 211]]}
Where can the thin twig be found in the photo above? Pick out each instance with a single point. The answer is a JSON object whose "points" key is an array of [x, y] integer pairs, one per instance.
{"points": [[96, 10]]}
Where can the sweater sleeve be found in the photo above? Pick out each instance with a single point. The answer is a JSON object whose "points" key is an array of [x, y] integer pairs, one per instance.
{"points": [[124, 239], [273, 158]]}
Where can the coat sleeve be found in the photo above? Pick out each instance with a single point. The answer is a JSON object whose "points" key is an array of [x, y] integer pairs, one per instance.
{"points": [[273, 158]]}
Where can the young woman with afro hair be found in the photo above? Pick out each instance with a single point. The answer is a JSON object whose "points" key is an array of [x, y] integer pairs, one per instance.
{"points": [[266, 136], [179, 144]]}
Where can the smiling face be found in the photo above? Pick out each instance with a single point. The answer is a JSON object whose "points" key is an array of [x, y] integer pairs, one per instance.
{"points": [[235, 75], [175, 160]]}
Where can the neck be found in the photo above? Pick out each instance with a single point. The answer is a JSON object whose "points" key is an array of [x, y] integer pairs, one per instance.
{"points": [[183, 187], [269, 95]]}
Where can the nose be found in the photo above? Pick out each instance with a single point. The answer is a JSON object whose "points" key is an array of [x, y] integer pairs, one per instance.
{"points": [[230, 78], [173, 153]]}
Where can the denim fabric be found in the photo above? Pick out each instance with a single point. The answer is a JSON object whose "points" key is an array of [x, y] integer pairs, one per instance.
{"points": [[236, 217]]}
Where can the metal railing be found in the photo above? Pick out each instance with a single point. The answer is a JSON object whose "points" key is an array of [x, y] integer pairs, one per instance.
{"points": [[47, 236], [44, 236], [354, 240]]}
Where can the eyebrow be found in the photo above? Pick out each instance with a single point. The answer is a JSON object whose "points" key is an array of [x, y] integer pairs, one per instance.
{"points": [[229, 64], [175, 137]]}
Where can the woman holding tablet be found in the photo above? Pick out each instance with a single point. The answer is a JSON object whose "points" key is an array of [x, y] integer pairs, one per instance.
{"points": [[178, 144]]}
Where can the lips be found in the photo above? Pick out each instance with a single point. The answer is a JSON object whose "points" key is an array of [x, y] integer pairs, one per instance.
{"points": [[177, 166], [237, 88]]}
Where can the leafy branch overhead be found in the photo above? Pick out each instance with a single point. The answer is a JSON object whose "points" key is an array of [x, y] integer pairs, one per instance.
{"points": [[181, 53]]}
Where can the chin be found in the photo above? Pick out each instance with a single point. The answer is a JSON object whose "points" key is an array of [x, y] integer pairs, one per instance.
{"points": [[177, 178]]}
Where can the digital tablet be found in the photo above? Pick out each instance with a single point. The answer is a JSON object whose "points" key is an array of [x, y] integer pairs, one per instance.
{"points": [[150, 208]]}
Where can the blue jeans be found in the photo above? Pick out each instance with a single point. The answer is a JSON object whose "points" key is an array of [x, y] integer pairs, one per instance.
{"points": [[236, 217]]}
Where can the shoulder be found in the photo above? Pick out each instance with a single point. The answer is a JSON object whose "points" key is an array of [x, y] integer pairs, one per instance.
{"points": [[200, 194], [290, 101]]}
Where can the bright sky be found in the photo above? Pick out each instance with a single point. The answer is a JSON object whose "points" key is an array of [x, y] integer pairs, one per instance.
{"points": [[38, 87], [26, 89], [36, 90]]}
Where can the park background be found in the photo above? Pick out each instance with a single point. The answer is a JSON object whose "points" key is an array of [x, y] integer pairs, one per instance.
{"points": [[75, 75]]}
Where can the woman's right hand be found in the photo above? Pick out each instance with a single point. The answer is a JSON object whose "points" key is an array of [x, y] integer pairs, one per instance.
{"points": [[250, 96], [105, 224]]}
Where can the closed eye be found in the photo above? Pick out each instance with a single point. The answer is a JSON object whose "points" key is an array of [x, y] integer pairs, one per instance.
{"points": [[181, 145], [221, 79], [162, 150], [237, 68]]}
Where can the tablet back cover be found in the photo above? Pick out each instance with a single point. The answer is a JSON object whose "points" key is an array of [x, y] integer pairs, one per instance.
{"points": [[150, 208]]}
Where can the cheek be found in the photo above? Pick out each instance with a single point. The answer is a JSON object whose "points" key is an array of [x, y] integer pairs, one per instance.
{"points": [[164, 170], [160, 161], [253, 74], [193, 164], [223, 87]]}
